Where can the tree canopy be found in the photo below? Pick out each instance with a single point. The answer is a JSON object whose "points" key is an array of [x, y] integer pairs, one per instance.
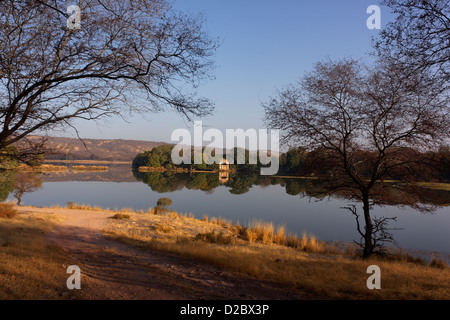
{"points": [[127, 56]]}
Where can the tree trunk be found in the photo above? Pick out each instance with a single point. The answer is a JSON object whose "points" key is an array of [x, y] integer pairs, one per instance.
{"points": [[368, 245]]}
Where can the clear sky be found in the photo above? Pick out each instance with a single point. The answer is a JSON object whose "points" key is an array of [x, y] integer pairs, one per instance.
{"points": [[266, 44]]}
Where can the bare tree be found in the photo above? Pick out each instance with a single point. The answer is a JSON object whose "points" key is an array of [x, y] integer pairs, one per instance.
{"points": [[419, 36], [364, 121], [127, 56]]}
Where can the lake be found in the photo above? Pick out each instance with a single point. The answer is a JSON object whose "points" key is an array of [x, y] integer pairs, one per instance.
{"points": [[238, 198]]}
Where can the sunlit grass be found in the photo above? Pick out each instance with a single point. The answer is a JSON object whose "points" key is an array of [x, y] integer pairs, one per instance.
{"points": [[31, 267], [7, 210], [299, 264], [309, 274]]}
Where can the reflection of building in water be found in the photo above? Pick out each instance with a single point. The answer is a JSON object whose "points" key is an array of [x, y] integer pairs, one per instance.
{"points": [[224, 176], [224, 171], [224, 165]]}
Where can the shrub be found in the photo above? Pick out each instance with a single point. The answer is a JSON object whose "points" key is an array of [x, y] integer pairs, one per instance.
{"points": [[121, 216], [7, 210], [212, 237], [163, 228]]}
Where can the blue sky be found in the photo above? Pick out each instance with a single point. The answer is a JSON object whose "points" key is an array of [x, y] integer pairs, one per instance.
{"points": [[266, 44]]}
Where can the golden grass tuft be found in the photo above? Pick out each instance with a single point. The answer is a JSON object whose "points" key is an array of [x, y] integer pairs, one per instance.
{"points": [[280, 235], [163, 228], [220, 221], [261, 231], [121, 216], [7, 210], [75, 206], [213, 237]]}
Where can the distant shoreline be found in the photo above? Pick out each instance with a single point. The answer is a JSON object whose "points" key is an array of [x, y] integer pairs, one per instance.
{"points": [[88, 161]]}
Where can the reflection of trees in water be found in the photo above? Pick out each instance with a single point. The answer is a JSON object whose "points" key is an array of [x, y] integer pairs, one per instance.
{"points": [[19, 183], [6, 184], [389, 194], [26, 182], [162, 182], [241, 183]]}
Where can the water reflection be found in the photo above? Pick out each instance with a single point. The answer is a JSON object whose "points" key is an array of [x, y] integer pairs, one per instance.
{"points": [[241, 183], [26, 182]]}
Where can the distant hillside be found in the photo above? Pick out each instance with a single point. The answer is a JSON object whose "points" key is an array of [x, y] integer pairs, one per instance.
{"points": [[97, 149]]}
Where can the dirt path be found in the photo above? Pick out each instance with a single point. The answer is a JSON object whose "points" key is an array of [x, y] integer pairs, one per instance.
{"points": [[111, 270]]}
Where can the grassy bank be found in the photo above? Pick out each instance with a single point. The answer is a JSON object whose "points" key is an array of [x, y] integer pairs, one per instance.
{"points": [[30, 267], [301, 264]]}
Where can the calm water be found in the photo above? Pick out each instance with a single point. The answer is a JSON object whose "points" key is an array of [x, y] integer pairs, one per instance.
{"points": [[280, 201]]}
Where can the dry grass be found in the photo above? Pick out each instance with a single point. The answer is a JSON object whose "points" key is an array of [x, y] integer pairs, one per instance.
{"points": [[31, 268], [264, 232], [121, 216], [7, 210], [260, 231], [75, 206], [311, 275], [300, 264], [280, 235], [215, 237], [162, 228], [220, 221], [87, 207]]}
